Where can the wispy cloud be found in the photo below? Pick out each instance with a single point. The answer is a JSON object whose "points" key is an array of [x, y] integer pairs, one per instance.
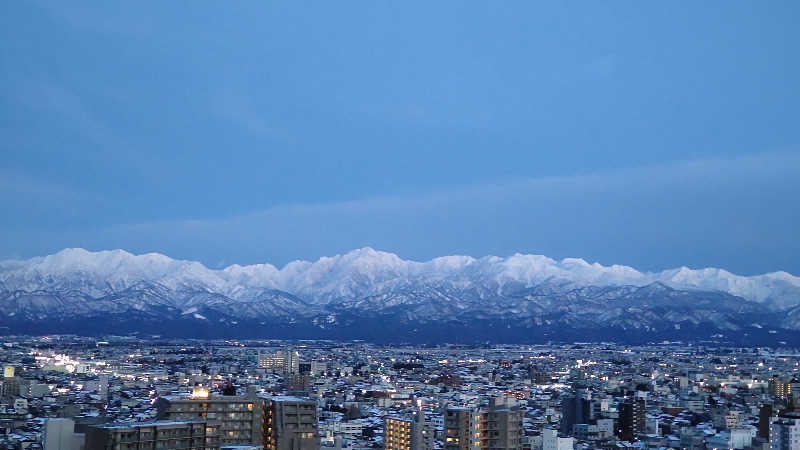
{"points": [[13, 184], [44, 96], [240, 110], [42, 200], [49, 99], [119, 19], [697, 213]]}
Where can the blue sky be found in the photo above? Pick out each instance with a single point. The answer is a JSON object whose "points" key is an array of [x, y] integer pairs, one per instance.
{"points": [[654, 134]]}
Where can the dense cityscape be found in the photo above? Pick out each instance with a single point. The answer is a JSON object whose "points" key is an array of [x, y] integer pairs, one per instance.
{"points": [[399, 225], [124, 393]]}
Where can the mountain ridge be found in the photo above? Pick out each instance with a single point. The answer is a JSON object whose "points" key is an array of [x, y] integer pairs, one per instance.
{"points": [[377, 295], [378, 266]]}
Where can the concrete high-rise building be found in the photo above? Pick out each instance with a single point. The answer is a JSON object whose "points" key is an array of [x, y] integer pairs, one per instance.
{"points": [[397, 434], [299, 382], [632, 419], [779, 387], [552, 441], [784, 432], [461, 428], [9, 387], [190, 435], [501, 424], [407, 433], [318, 368], [103, 385], [428, 438], [540, 376], [575, 409], [59, 434], [37, 390], [764, 417], [281, 361], [498, 426], [239, 417], [290, 423], [794, 391]]}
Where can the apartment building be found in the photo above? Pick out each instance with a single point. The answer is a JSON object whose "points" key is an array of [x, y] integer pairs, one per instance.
{"points": [[496, 427], [189, 435], [290, 423], [239, 417]]}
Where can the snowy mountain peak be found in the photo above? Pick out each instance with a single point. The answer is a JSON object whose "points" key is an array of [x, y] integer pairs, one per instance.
{"points": [[366, 293], [784, 276], [366, 271], [106, 262], [574, 262], [450, 263], [365, 260]]}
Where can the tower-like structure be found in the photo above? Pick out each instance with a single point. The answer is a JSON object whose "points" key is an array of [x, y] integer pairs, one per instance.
{"points": [[497, 426], [290, 423]]}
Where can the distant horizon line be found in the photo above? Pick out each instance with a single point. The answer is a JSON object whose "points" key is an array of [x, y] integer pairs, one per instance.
{"points": [[392, 254]]}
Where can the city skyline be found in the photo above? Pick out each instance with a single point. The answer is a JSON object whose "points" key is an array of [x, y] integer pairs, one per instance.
{"points": [[362, 225]]}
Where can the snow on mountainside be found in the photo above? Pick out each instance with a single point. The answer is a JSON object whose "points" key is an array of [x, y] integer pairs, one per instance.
{"points": [[366, 272], [367, 294]]}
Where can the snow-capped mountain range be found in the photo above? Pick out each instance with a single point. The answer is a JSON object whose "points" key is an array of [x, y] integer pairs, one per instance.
{"points": [[529, 294]]}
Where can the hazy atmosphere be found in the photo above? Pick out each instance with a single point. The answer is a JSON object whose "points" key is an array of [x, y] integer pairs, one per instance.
{"points": [[649, 134], [399, 225]]}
